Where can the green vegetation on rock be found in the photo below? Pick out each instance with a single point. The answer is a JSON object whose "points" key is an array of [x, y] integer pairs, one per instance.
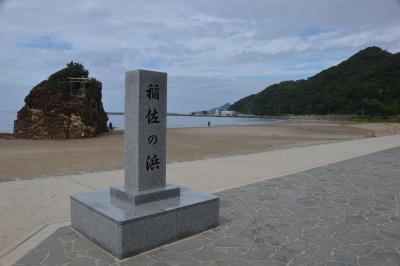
{"points": [[73, 70], [368, 83]]}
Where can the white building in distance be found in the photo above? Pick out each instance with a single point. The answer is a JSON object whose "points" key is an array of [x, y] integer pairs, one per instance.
{"points": [[227, 113]]}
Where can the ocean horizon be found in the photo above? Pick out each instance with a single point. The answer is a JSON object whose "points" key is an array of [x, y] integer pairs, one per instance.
{"points": [[173, 121]]}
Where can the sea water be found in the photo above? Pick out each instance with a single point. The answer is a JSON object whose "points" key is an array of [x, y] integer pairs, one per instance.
{"points": [[202, 121], [7, 121]]}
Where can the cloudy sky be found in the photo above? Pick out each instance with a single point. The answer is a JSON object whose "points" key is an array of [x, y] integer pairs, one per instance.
{"points": [[215, 51]]}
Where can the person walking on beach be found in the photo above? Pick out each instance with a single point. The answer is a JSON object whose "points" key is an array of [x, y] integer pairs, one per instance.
{"points": [[110, 126]]}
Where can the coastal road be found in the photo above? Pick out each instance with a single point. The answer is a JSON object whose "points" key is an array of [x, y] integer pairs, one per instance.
{"points": [[30, 210]]}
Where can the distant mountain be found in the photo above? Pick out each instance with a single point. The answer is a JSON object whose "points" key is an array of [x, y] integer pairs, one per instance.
{"points": [[366, 83], [224, 107]]}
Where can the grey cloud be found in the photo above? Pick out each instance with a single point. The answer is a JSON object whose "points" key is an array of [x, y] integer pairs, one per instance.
{"points": [[224, 49], [191, 93]]}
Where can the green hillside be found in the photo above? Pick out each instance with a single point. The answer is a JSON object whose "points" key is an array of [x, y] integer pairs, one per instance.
{"points": [[367, 83]]}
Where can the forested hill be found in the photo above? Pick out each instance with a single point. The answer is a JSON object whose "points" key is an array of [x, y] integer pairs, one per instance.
{"points": [[366, 83]]}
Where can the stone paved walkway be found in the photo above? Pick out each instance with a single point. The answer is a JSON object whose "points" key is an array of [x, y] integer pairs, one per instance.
{"points": [[343, 214]]}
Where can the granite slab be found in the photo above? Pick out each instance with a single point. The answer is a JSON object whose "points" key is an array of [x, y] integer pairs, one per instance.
{"points": [[124, 229]]}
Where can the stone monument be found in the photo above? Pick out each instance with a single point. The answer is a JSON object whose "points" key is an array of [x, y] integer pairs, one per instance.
{"points": [[145, 212]]}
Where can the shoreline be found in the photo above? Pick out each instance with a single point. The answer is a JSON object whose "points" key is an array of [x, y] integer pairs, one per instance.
{"points": [[357, 119], [27, 158], [285, 121]]}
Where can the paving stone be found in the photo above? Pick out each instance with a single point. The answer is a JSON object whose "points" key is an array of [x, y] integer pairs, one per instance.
{"points": [[51, 242], [83, 262], [186, 262], [56, 256], [34, 257], [207, 254], [140, 260], [386, 258], [296, 247], [367, 262], [69, 252], [268, 262], [213, 234], [233, 242], [355, 219], [359, 250], [381, 219], [82, 245], [101, 256], [342, 214], [304, 259], [235, 253], [231, 262], [271, 238], [65, 232], [162, 264], [390, 235], [366, 235], [344, 257], [163, 255], [185, 245], [385, 245], [334, 263], [308, 202]]}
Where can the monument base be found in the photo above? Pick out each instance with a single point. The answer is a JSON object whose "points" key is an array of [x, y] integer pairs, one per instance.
{"points": [[124, 229], [142, 197]]}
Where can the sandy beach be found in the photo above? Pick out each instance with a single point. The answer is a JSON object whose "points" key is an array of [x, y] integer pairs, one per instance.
{"points": [[24, 159]]}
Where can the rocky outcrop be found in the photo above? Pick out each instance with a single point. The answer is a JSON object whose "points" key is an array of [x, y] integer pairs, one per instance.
{"points": [[67, 105]]}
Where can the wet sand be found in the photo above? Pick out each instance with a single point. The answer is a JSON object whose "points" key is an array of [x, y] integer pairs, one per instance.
{"points": [[25, 159]]}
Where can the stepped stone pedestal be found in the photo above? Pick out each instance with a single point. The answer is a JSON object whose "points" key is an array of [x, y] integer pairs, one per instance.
{"points": [[145, 212]]}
